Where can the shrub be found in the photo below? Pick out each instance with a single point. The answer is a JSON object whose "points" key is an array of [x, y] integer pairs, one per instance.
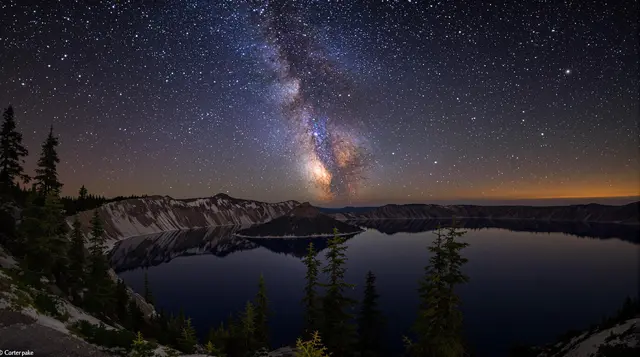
{"points": [[47, 305], [311, 348], [100, 335]]}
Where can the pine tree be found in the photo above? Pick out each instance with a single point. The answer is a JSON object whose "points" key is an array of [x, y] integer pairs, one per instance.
{"points": [[188, 340], [46, 179], [310, 300], [141, 348], [44, 230], [12, 153], [213, 350], [82, 193], [136, 317], [77, 258], [148, 297], [439, 322], [81, 205], [370, 321], [219, 338], [262, 315], [101, 286], [338, 333], [249, 328], [122, 301]]}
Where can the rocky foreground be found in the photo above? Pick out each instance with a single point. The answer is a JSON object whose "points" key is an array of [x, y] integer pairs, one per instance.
{"points": [[26, 328]]}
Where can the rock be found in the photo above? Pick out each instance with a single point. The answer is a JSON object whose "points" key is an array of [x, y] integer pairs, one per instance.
{"points": [[6, 260], [147, 309], [9, 317], [283, 352], [20, 333]]}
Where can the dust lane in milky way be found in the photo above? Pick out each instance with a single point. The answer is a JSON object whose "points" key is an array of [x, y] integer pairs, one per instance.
{"points": [[333, 156], [349, 102]]}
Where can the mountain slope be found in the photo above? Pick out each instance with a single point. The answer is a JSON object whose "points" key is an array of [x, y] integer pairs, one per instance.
{"points": [[155, 214], [627, 214]]}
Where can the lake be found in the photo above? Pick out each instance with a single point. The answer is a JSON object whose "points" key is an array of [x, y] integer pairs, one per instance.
{"points": [[529, 281]]}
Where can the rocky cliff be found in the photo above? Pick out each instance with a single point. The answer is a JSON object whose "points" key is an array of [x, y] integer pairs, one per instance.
{"points": [[154, 214], [627, 214]]}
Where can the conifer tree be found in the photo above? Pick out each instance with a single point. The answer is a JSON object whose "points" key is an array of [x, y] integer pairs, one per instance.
{"points": [[82, 199], [12, 153], [148, 297], [82, 193], [141, 348], [135, 316], [439, 322], [213, 350], [101, 286], [122, 302], [43, 229], [77, 258], [370, 321], [219, 337], [188, 340], [46, 180], [248, 322], [261, 315], [310, 300], [338, 333]]}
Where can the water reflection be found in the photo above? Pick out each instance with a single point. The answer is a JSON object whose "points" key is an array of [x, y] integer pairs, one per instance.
{"points": [[155, 249]]}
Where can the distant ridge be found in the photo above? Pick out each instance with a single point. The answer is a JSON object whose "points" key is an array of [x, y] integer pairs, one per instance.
{"points": [[593, 212]]}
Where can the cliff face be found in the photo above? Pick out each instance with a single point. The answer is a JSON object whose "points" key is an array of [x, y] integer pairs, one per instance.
{"points": [[628, 214], [157, 214]]}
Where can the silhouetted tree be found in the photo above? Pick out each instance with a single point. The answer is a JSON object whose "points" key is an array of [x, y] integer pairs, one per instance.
{"points": [[82, 200], [261, 315], [248, 323], [43, 230], [121, 298], [439, 322], [338, 332], [218, 337], [188, 340], [370, 321], [46, 180], [82, 193], [77, 258], [12, 153], [310, 301], [101, 286]]}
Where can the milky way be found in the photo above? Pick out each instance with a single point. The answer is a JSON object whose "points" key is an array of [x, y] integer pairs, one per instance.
{"points": [[333, 155], [360, 102]]}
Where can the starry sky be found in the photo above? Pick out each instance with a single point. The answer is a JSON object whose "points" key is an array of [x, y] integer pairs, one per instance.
{"points": [[333, 102]]}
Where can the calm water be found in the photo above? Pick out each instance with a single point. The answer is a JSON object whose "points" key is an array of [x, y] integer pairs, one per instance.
{"points": [[525, 287]]}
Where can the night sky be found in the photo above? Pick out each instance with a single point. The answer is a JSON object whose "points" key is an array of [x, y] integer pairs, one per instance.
{"points": [[334, 102]]}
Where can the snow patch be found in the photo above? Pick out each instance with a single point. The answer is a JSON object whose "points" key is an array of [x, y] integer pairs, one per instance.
{"points": [[590, 345]]}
